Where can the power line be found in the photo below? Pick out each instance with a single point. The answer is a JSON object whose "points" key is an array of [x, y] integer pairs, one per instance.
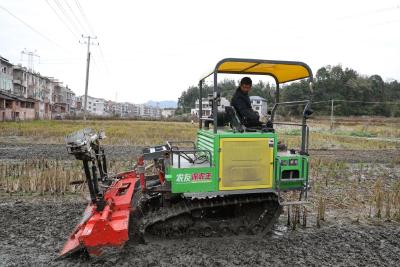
{"points": [[104, 60], [358, 101], [32, 29], [368, 102], [62, 20], [76, 18], [84, 16], [66, 15], [81, 10], [91, 29]]}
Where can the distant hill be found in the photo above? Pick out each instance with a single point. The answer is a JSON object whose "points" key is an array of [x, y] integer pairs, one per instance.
{"points": [[162, 104]]}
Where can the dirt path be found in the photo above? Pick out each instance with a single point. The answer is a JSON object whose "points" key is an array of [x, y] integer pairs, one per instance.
{"points": [[57, 151], [357, 156], [32, 232]]}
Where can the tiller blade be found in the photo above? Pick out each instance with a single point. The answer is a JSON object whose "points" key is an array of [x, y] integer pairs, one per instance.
{"points": [[104, 223]]}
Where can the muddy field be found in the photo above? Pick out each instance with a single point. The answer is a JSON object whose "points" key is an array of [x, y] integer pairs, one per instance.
{"points": [[33, 230], [58, 151]]}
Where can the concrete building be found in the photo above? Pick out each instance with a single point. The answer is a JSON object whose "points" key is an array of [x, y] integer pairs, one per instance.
{"points": [[20, 81], [36, 87], [134, 110], [259, 104], [129, 110], [26, 94], [15, 108], [94, 106], [71, 100], [206, 108], [147, 111], [124, 107], [114, 108], [42, 89], [6, 75], [23, 90], [64, 101], [168, 112]]}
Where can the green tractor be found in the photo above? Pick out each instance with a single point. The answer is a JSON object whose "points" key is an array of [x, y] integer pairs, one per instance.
{"points": [[228, 181]]}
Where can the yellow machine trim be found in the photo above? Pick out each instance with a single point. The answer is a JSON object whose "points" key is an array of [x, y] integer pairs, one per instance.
{"points": [[282, 72], [245, 163]]}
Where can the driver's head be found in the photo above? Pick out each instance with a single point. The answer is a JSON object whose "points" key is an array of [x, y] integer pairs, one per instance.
{"points": [[245, 84]]}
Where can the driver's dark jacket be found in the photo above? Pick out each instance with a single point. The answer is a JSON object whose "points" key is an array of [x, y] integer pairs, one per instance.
{"points": [[241, 102]]}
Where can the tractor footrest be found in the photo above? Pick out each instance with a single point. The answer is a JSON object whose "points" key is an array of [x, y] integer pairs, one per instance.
{"points": [[292, 180]]}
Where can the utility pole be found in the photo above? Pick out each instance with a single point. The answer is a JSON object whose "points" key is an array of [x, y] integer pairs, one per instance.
{"points": [[88, 42]]}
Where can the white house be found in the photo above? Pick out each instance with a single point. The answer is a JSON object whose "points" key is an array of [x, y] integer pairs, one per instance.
{"points": [[147, 111], [206, 108], [168, 112], [259, 104], [95, 106]]}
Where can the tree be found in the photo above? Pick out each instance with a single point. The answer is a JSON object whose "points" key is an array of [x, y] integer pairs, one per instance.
{"points": [[331, 82]]}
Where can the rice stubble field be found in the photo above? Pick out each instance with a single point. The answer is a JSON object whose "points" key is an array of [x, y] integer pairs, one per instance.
{"points": [[352, 219]]}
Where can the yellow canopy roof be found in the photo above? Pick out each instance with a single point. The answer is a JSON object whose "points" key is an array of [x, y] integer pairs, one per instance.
{"points": [[282, 71]]}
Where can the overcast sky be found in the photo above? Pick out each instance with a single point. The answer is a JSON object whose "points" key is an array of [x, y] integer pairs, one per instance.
{"points": [[153, 50]]}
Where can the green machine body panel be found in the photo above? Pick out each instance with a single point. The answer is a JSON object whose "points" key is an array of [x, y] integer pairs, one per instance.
{"points": [[289, 171]]}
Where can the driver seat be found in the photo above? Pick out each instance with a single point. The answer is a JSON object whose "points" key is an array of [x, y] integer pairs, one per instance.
{"points": [[234, 119]]}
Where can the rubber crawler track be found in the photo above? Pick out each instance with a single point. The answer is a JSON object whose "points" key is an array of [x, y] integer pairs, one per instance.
{"points": [[200, 217]]}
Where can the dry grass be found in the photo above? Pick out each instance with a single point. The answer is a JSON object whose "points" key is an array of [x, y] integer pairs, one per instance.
{"points": [[358, 191], [39, 176], [47, 176], [362, 134], [118, 132], [350, 135]]}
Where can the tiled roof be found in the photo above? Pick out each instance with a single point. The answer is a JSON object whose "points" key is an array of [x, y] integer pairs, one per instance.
{"points": [[256, 97]]}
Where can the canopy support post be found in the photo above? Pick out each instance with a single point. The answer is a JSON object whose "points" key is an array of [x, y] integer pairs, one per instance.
{"points": [[215, 102], [200, 104], [277, 93]]}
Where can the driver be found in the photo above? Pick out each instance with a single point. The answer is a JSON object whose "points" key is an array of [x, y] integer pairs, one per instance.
{"points": [[241, 102]]}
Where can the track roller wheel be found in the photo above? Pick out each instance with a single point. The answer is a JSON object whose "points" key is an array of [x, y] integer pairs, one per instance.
{"points": [[256, 229], [193, 232], [241, 229], [224, 230], [207, 231], [175, 233]]}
